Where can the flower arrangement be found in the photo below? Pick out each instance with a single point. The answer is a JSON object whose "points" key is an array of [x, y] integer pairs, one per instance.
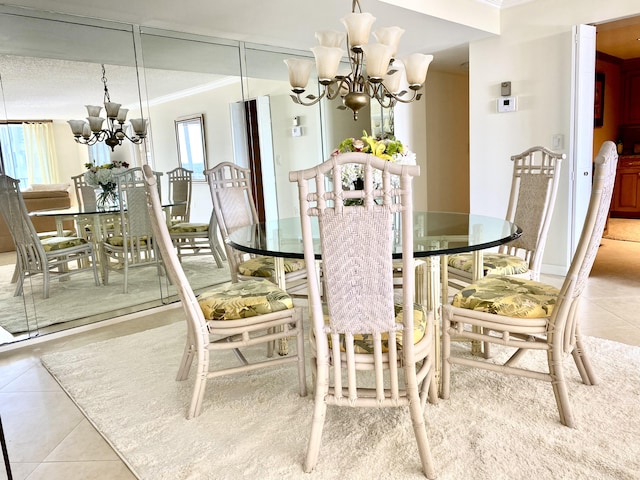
{"points": [[102, 176], [390, 149]]}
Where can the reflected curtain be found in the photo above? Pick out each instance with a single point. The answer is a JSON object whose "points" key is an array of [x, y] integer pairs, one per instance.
{"points": [[40, 152]]}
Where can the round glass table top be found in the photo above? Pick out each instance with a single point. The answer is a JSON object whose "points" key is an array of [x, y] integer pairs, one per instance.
{"points": [[435, 233]]}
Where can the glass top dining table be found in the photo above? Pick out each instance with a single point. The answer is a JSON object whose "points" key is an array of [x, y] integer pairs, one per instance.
{"points": [[435, 233]]}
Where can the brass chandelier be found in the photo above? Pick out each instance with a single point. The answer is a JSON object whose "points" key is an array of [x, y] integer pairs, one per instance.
{"points": [[380, 78], [110, 130]]}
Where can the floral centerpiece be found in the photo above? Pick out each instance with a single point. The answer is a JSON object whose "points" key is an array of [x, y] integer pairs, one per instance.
{"points": [[389, 148], [103, 177]]}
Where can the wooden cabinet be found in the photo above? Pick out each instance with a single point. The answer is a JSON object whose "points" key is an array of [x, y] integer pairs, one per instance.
{"points": [[626, 192]]}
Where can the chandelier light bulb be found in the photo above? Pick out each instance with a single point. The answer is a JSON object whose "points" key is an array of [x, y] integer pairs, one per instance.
{"points": [[358, 27], [327, 61], [378, 57], [330, 38], [389, 36]]}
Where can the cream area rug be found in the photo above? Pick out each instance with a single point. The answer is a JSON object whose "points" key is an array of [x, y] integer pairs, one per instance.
{"points": [[256, 426], [627, 229], [78, 297]]}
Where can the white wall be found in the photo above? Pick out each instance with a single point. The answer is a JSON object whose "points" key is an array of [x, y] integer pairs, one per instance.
{"points": [[214, 104], [534, 53]]}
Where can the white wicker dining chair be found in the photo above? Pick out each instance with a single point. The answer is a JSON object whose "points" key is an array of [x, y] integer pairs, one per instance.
{"points": [[233, 204], [51, 256], [366, 351], [190, 238], [534, 186], [227, 317], [525, 315], [132, 243]]}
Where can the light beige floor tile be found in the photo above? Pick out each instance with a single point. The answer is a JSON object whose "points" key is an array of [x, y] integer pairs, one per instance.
{"points": [[36, 422], [12, 367], [84, 443], [19, 471], [114, 470], [36, 379]]}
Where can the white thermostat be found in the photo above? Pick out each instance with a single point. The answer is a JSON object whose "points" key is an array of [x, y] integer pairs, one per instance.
{"points": [[507, 104]]}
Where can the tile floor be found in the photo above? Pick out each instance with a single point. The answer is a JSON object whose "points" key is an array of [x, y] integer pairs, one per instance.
{"points": [[50, 439]]}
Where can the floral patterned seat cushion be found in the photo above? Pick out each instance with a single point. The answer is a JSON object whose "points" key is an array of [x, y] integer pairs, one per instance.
{"points": [[118, 241], [243, 300], [363, 343], [508, 296], [52, 244], [494, 263], [189, 227], [264, 266]]}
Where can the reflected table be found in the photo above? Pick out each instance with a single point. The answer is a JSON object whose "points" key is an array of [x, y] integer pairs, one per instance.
{"points": [[436, 235], [97, 217]]}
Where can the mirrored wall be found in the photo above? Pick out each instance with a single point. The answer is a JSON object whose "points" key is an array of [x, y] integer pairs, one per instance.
{"points": [[51, 67]]}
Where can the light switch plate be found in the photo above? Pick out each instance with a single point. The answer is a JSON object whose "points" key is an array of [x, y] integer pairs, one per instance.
{"points": [[507, 104]]}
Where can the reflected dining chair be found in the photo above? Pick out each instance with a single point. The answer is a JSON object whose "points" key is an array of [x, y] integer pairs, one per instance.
{"points": [[227, 317], [534, 186], [366, 350], [523, 315], [233, 204], [190, 238], [51, 256], [132, 243]]}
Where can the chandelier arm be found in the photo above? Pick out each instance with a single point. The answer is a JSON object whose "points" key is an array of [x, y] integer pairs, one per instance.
{"points": [[416, 96], [296, 98], [334, 88]]}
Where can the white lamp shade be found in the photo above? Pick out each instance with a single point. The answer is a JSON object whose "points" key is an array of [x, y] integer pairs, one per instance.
{"points": [[299, 70], [389, 36], [330, 38], [327, 61], [112, 109], [86, 131], [139, 126], [93, 110], [416, 66], [392, 82], [358, 27], [378, 57], [122, 114], [95, 123], [76, 126]]}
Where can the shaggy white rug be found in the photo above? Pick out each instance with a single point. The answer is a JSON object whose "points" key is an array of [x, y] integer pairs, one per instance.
{"points": [[255, 426]]}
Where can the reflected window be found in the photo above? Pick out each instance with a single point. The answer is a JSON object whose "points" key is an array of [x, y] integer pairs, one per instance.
{"points": [[100, 153], [191, 144]]}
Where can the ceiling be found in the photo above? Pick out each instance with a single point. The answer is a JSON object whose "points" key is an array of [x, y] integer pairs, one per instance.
{"points": [[620, 38], [284, 24]]}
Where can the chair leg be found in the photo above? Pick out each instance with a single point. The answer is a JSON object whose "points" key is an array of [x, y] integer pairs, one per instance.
{"points": [[420, 430], [187, 359], [560, 390], [319, 413], [582, 362], [302, 375], [200, 385], [445, 374]]}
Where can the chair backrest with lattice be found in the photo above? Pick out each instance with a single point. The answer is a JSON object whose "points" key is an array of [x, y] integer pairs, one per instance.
{"points": [[534, 187], [85, 193], [28, 246], [597, 213], [356, 247], [233, 206], [180, 184], [135, 223]]}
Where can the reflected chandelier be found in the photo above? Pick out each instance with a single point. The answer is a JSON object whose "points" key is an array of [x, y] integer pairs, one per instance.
{"points": [[92, 131], [380, 80]]}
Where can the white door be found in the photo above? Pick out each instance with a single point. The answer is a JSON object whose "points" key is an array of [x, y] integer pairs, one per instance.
{"points": [[580, 161]]}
